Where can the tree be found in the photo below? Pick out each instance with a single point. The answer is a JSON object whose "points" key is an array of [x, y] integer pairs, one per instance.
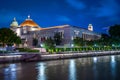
{"points": [[78, 41], [57, 38], [49, 43], [105, 36], [7, 36], [105, 39], [114, 31]]}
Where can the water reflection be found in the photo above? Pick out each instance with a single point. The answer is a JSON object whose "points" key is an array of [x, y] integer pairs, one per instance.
{"points": [[41, 71], [95, 67], [113, 66], [91, 68], [10, 72], [72, 70], [112, 59], [95, 59]]}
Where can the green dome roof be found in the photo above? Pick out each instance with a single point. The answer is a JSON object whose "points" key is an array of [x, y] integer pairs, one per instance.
{"points": [[14, 23]]}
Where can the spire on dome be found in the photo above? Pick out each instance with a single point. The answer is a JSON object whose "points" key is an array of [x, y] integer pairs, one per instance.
{"points": [[14, 23], [29, 22], [14, 19], [28, 18]]}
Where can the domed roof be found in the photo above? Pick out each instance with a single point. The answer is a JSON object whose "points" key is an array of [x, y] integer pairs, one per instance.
{"points": [[30, 23], [14, 23]]}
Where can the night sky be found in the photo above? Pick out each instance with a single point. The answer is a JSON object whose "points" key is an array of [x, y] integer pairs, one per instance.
{"points": [[46, 13]]}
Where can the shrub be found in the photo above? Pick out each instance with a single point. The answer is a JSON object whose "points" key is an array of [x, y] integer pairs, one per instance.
{"points": [[3, 51], [27, 50], [33, 51]]}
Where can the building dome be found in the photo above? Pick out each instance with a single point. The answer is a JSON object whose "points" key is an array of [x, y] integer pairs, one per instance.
{"points": [[30, 23], [14, 23]]}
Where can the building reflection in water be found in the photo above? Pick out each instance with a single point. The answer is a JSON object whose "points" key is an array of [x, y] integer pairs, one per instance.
{"points": [[10, 72], [113, 66], [41, 71], [72, 70]]}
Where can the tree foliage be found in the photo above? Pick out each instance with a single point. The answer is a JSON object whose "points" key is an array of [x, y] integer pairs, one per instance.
{"points": [[49, 43], [7, 36], [114, 31], [78, 41], [105, 36]]}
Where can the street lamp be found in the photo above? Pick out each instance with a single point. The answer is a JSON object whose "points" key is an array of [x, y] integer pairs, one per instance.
{"points": [[41, 45], [95, 45], [72, 45], [113, 45]]}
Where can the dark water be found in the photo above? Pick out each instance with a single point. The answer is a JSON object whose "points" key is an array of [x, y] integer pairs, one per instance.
{"points": [[92, 68]]}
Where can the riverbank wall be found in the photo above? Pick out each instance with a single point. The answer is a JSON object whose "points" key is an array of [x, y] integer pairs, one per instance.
{"points": [[28, 57], [77, 55]]}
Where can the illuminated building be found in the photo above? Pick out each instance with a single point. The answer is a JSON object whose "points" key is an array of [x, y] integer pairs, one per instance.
{"points": [[14, 26], [29, 25], [90, 27], [28, 30]]}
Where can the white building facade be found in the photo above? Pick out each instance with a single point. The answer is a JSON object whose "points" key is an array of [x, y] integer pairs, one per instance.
{"points": [[28, 30]]}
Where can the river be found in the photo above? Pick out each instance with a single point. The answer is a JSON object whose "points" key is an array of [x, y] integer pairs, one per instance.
{"points": [[91, 68]]}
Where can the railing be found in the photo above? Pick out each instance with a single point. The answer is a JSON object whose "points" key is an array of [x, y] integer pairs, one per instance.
{"points": [[3, 49]]}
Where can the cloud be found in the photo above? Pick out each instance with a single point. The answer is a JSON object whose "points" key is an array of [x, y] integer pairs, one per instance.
{"points": [[108, 8], [76, 4], [63, 19], [107, 12]]}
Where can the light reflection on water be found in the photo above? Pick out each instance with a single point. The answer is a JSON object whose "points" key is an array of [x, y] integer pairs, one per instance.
{"points": [[92, 68], [72, 70], [10, 72], [41, 71], [95, 67], [113, 66], [95, 59]]}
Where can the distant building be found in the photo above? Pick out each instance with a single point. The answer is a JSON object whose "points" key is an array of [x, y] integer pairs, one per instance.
{"points": [[28, 30]]}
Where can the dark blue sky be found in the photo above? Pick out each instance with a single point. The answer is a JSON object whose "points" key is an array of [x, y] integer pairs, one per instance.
{"points": [[100, 13]]}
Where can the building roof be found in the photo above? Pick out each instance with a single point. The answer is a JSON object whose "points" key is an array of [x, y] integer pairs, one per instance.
{"points": [[30, 23], [61, 26], [14, 23]]}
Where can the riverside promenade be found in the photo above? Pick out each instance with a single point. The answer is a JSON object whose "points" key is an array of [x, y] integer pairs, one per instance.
{"points": [[28, 57]]}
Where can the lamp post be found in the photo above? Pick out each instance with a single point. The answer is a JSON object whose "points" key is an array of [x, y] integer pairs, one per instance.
{"points": [[113, 46], [72, 45], [41, 46]]}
